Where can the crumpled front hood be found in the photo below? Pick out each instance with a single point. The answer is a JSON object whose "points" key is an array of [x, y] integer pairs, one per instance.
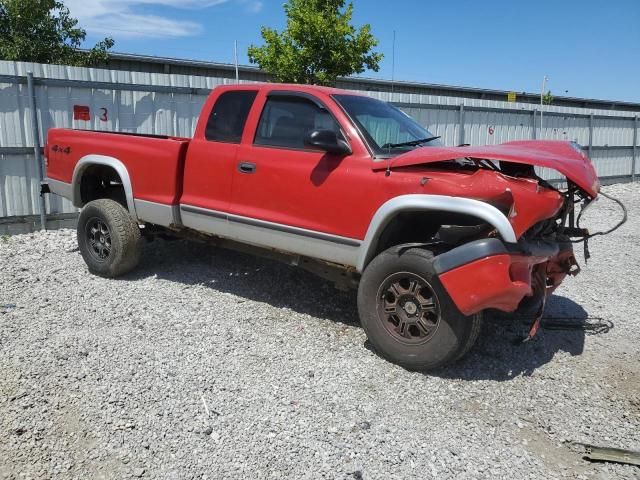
{"points": [[565, 157]]}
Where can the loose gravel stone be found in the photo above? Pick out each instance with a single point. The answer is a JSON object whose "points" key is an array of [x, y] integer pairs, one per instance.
{"points": [[110, 378]]}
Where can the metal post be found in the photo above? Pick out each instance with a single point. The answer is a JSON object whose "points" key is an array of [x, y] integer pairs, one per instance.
{"points": [[461, 120], [544, 82], [590, 134], [35, 131], [635, 148], [393, 61], [533, 124], [235, 58]]}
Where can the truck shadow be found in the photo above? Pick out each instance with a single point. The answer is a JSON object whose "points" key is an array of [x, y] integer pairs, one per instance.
{"points": [[501, 354], [494, 357], [252, 278]]}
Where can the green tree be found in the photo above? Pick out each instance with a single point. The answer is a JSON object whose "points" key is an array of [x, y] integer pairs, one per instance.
{"points": [[547, 98], [43, 31], [318, 44]]}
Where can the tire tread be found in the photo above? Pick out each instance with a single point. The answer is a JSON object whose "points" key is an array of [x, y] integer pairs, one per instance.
{"points": [[460, 334], [129, 240]]}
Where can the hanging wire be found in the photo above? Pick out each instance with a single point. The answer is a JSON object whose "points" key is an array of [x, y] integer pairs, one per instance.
{"points": [[590, 325], [614, 228]]}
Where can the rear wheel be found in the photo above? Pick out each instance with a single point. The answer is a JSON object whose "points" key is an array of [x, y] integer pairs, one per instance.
{"points": [[108, 238], [407, 314]]}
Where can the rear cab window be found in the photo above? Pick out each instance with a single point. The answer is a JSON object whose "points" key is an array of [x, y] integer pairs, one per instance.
{"points": [[229, 116]]}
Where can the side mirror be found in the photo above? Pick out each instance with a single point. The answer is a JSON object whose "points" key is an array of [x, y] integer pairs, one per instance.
{"points": [[328, 141]]}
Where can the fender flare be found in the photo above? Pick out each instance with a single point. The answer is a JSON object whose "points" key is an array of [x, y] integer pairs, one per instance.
{"points": [[422, 202], [117, 165]]}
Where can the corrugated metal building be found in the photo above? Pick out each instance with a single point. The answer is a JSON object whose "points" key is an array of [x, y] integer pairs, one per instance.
{"points": [[164, 96], [151, 64]]}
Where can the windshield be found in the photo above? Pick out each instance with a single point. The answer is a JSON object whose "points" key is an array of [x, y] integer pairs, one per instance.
{"points": [[387, 129]]}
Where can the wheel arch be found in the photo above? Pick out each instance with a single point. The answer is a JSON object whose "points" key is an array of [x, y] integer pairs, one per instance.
{"points": [[420, 203], [94, 160]]}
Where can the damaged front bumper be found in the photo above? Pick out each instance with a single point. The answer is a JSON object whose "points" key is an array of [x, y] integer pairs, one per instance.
{"points": [[489, 273]]}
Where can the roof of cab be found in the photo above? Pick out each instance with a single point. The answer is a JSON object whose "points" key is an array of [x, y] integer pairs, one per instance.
{"points": [[291, 86]]}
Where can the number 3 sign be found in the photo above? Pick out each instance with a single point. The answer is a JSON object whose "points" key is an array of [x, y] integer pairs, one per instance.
{"points": [[104, 114]]}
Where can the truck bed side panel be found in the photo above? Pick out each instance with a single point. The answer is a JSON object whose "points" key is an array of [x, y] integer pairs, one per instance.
{"points": [[155, 164]]}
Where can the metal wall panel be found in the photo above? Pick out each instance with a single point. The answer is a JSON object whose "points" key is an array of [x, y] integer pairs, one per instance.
{"points": [[612, 162], [18, 174], [565, 127], [20, 188], [175, 112], [482, 103], [548, 173], [612, 131], [491, 127], [15, 116]]}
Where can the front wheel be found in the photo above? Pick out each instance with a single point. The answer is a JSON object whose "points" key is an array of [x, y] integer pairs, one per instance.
{"points": [[108, 238], [408, 316]]}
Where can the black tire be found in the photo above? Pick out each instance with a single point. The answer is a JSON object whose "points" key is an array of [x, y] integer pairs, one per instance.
{"points": [[108, 238], [476, 328], [440, 333]]}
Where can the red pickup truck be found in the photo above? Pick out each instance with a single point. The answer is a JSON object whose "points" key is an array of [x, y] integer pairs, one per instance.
{"points": [[350, 188]]}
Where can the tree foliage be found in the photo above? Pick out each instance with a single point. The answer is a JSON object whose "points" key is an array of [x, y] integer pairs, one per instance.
{"points": [[547, 98], [43, 31], [318, 44]]}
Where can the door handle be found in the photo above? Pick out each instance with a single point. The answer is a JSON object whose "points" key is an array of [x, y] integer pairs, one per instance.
{"points": [[247, 167]]}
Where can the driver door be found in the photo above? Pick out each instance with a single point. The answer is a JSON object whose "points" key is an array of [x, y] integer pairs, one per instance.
{"points": [[281, 186]]}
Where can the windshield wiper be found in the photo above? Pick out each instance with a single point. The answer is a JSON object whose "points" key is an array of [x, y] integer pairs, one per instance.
{"points": [[412, 143]]}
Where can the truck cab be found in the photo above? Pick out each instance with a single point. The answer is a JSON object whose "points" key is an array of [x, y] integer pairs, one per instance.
{"points": [[252, 172]]}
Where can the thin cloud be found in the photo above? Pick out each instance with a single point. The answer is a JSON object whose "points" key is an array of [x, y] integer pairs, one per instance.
{"points": [[252, 6], [119, 18]]}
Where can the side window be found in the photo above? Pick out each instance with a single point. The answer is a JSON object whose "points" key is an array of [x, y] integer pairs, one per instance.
{"points": [[229, 115], [286, 120]]}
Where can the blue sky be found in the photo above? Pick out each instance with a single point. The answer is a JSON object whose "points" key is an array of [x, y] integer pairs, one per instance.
{"points": [[588, 48]]}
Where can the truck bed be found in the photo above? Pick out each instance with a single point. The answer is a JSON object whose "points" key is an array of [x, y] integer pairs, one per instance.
{"points": [[154, 162]]}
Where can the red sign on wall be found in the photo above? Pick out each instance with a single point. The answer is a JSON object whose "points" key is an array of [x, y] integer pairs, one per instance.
{"points": [[81, 112]]}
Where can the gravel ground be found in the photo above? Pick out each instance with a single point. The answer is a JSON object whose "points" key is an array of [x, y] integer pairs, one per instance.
{"points": [[210, 364]]}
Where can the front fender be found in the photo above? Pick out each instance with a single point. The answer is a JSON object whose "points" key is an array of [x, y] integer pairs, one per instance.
{"points": [[421, 202]]}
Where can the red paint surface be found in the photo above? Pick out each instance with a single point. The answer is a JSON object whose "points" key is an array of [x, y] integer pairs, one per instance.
{"points": [[154, 164], [487, 283], [555, 154], [81, 112]]}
